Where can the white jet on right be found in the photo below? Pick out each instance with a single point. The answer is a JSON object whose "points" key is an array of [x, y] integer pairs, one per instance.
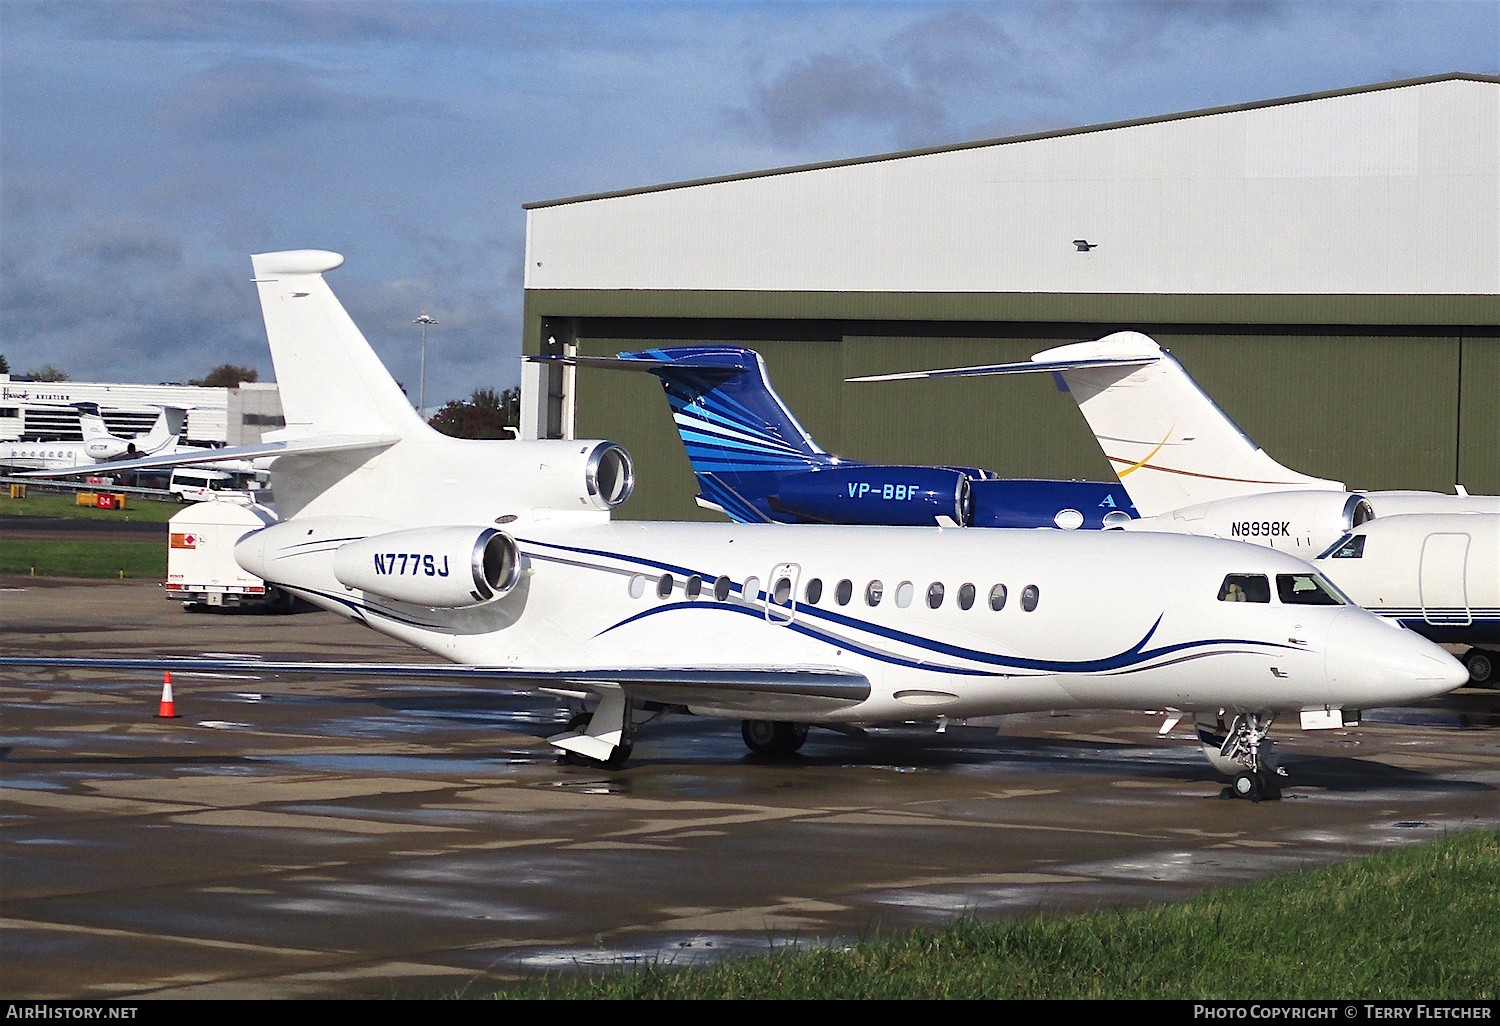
{"points": [[1189, 469]]}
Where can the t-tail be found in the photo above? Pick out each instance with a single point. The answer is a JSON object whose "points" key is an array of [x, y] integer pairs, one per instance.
{"points": [[1169, 443], [330, 380], [740, 437], [756, 463]]}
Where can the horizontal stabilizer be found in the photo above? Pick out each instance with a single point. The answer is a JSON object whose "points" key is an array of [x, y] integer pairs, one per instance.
{"points": [[806, 682], [296, 447], [1122, 349], [728, 359]]}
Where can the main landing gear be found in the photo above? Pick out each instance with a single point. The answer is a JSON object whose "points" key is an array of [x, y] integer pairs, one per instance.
{"points": [[1481, 664], [1242, 751], [773, 737], [603, 740]]}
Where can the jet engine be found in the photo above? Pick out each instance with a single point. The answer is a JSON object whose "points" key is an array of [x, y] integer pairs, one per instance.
{"points": [[446, 567], [1069, 505], [1302, 522], [608, 475], [903, 496]]}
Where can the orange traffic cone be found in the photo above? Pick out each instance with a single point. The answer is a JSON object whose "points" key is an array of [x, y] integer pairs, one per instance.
{"points": [[168, 710]]}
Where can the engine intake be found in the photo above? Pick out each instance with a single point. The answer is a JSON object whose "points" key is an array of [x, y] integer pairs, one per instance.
{"points": [[441, 567], [609, 475]]}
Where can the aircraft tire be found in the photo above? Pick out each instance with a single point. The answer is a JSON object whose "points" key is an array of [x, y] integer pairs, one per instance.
{"points": [[1481, 664], [773, 737], [1247, 785]]}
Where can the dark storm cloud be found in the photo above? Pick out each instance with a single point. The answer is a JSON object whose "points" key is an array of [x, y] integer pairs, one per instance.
{"points": [[903, 85], [118, 240], [254, 97], [337, 23], [953, 46], [829, 88]]}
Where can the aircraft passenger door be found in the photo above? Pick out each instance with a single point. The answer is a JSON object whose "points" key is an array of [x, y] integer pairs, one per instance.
{"points": [[781, 593], [1443, 581]]}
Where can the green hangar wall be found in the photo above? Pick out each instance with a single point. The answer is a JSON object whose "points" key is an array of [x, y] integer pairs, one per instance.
{"points": [[1333, 283], [1408, 406]]}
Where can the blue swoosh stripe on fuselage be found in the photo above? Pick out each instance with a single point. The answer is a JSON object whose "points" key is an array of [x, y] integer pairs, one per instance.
{"points": [[1132, 656]]}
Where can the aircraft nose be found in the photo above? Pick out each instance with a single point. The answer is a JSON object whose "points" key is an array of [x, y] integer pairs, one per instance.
{"points": [[1381, 663]]}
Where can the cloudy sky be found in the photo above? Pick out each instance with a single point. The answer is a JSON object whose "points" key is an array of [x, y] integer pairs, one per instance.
{"points": [[146, 149]]}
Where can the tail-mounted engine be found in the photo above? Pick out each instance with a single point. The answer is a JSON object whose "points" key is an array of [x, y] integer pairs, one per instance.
{"points": [[608, 475], [1303, 522], [445, 567]]}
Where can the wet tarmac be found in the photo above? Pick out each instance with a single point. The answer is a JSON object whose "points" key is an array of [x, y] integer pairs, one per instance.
{"points": [[346, 838]]}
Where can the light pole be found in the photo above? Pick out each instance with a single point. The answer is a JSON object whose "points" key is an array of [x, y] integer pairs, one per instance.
{"points": [[424, 321]]}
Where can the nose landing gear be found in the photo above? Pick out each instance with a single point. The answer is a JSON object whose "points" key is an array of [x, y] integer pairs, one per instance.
{"points": [[1241, 750]]}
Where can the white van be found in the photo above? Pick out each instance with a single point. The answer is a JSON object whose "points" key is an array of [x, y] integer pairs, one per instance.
{"points": [[193, 484]]}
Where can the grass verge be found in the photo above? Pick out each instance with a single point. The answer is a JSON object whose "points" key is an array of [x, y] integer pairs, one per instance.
{"points": [[1413, 923], [143, 559], [41, 504]]}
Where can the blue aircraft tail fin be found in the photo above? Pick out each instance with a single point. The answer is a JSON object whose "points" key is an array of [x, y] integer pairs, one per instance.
{"points": [[731, 421]]}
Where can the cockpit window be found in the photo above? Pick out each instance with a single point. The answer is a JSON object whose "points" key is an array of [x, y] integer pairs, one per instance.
{"points": [[1306, 590], [1245, 588], [1354, 548]]}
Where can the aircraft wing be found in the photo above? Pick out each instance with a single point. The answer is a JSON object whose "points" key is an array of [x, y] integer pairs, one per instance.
{"points": [[1032, 366], [293, 447], [721, 687]]}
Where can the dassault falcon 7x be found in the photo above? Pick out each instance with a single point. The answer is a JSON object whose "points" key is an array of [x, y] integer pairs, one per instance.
{"points": [[500, 556]]}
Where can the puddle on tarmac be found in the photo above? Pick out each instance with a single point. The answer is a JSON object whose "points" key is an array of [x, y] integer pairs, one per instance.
{"points": [[398, 764], [698, 949]]}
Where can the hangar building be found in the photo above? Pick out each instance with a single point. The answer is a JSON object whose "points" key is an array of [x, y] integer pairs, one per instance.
{"points": [[1326, 266], [41, 410]]}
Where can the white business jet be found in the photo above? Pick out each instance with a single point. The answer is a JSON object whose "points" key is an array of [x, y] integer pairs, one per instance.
{"points": [[1187, 467], [98, 445], [501, 557], [1426, 559]]}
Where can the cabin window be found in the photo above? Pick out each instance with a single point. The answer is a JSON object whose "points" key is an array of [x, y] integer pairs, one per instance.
{"points": [[1029, 597], [903, 594], [782, 592], [997, 597], [664, 586], [1245, 588], [751, 591], [721, 588], [965, 596], [637, 586], [814, 591], [874, 592], [694, 587], [1354, 548], [844, 592], [934, 595], [1305, 590]]}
